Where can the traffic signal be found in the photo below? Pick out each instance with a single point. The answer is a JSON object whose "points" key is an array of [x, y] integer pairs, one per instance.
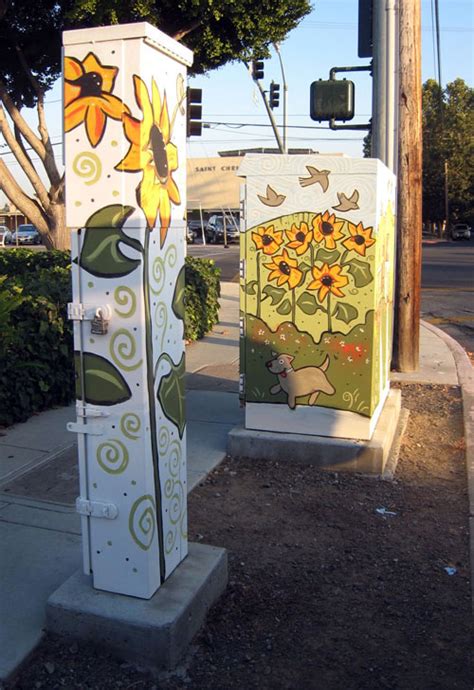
{"points": [[194, 112], [365, 33], [274, 95], [332, 100], [257, 69]]}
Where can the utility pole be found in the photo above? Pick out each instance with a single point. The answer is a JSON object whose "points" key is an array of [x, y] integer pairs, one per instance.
{"points": [[408, 273]]}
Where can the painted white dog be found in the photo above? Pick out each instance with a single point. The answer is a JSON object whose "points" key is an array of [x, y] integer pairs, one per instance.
{"points": [[299, 382]]}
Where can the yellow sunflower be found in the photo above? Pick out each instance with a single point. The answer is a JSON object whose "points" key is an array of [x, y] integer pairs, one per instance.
{"points": [[88, 98], [328, 280], [299, 237], [267, 239], [327, 229], [360, 238], [152, 152], [284, 270]]}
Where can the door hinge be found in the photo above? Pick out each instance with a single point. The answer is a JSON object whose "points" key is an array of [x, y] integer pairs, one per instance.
{"points": [[81, 427], [241, 385], [96, 509], [242, 327], [85, 410], [242, 269], [242, 215]]}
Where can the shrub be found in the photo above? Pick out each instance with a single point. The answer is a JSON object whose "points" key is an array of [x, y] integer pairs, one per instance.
{"points": [[36, 343], [201, 297]]}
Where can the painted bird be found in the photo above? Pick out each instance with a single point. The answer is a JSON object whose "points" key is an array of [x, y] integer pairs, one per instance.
{"points": [[272, 198], [316, 176], [347, 203]]}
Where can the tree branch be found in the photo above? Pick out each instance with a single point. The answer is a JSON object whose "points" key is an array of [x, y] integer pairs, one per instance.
{"points": [[26, 131], [23, 160], [187, 30], [29, 207]]}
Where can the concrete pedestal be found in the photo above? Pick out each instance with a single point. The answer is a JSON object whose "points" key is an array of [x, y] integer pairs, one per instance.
{"points": [[368, 457], [154, 633]]}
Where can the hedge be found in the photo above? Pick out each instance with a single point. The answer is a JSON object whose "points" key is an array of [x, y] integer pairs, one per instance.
{"points": [[36, 344]]}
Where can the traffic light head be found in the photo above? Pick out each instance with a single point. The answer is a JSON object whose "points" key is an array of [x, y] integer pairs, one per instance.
{"points": [[194, 112], [257, 69], [332, 100], [274, 95]]}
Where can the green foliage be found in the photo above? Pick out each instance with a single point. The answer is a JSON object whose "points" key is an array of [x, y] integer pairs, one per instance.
{"points": [[37, 357], [36, 341], [201, 297], [448, 123], [216, 30]]}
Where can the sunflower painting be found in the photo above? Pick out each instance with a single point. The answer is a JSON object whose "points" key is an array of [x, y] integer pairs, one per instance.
{"points": [[312, 292], [152, 153], [88, 97]]}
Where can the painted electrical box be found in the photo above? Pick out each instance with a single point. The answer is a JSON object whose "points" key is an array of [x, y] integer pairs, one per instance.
{"points": [[317, 267], [125, 158]]}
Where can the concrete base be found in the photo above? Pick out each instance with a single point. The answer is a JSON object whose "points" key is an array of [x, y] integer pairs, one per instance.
{"points": [[368, 457], [154, 633]]}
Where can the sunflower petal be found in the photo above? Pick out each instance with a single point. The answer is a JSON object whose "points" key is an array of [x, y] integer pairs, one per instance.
{"points": [[143, 101], [74, 114], [149, 197], [73, 68], [164, 120], [165, 215], [108, 74], [173, 191], [113, 106], [95, 124]]}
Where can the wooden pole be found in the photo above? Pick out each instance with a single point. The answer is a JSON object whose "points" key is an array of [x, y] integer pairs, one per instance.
{"points": [[408, 272]]}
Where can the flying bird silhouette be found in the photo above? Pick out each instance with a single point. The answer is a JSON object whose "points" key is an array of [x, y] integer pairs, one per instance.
{"points": [[347, 203], [272, 198], [320, 176]]}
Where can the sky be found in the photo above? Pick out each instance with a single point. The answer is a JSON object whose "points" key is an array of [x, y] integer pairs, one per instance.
{"points": [[326, 38]]}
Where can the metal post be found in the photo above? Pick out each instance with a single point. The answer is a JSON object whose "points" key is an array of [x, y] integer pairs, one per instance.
{"points": [[391, 85], [285, 94], [379, 79]]}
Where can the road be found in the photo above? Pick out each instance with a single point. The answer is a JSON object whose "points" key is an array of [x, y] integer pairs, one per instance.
{"points": [[447, 295]]}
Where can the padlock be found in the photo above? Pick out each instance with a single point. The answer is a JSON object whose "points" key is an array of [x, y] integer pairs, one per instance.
{"points": [[99, 325]]}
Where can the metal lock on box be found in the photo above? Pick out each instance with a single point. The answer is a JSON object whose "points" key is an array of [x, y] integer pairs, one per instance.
{"points": [[100, 322]]}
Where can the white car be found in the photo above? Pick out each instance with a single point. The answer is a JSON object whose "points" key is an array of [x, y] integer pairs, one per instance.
{"points": [[461, 231]]}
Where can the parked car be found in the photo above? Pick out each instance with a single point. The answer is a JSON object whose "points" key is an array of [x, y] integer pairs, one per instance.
{"points": [[26, 234], [4, 235], [189, 235], [194, 226], [215, 229], [461, 231]]}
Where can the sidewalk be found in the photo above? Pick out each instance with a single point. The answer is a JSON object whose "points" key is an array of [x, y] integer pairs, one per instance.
{"points": [[39, 530]]}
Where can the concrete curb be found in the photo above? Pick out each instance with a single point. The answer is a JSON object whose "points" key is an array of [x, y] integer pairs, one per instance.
{"points": [[465, 372]]}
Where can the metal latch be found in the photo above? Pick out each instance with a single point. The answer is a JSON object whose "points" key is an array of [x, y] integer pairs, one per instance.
{"points": [[96, 509], [76, 311]]}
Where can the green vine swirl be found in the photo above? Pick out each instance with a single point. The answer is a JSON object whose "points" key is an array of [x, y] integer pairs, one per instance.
{"points": [[124, 351], [125, 297], [112, 456], [142, 521], [87, 166], [161, 320], [130, 425]]}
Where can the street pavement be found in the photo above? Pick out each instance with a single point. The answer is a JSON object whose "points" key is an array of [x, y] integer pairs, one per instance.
{"points": [[39, 529]]}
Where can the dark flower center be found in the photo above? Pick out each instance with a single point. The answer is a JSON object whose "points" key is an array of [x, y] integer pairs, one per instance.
{"points": [[90, 83], [300, 236], [266, 240], [327, 281], [284, 268], [159, 153], [358, 239], [326, 228]]}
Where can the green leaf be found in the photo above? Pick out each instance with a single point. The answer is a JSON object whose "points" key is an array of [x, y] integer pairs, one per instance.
{"points": [[178, 296], [101, 254], [304, 267], [171, 394], [284, 308], [251, 288], [308, 304], [327, 257], [103, 383], [275, 294], [360, 271], [345, 312]]}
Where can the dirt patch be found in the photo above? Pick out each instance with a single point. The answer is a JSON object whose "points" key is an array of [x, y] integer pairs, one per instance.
{"points": [[335, 580]]}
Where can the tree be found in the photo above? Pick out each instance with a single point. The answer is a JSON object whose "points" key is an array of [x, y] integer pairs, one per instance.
{"points": [[30, 62], [448, 123]]}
